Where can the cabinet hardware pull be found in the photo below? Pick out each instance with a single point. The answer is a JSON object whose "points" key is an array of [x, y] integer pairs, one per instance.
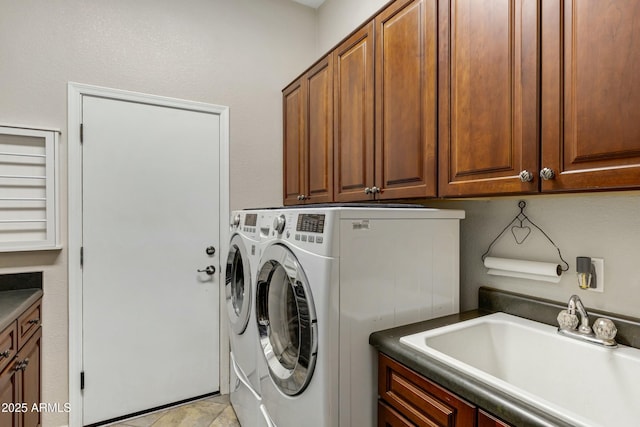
{"points": [[375, 190], [547, 174], [367, 190], [5, 354], [34, 321], [526, 176]]}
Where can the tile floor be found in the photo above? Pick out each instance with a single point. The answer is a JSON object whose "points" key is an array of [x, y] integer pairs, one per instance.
{"points": [[213, 411]]}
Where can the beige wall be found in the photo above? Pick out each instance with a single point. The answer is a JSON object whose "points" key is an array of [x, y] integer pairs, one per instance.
{"points": [[338, 18], [599, 225], [239, 53]]}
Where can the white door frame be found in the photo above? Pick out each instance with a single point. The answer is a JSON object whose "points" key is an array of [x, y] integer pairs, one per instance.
{"points": [[75, 92]]}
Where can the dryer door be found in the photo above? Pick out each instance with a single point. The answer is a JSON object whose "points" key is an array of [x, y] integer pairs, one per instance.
{"points": [[286, 320], [238, 285]]}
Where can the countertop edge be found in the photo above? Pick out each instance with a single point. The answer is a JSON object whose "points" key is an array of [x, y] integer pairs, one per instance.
{"points": [[20, 300], [495, 401]]}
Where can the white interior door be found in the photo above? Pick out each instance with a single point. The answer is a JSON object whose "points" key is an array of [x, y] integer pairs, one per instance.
{"points": [[150, 208]]}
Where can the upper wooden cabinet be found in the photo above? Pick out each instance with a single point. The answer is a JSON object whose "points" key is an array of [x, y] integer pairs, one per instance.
{"points": [[456, 98], [488, 96], [490, 99], [308, 136], [591, 94], [353, 116], [396, 158], [406, 103], [293, 132]]}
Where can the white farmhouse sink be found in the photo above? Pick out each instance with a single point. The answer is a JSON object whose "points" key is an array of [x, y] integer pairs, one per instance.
{"points": [[582, 383]]}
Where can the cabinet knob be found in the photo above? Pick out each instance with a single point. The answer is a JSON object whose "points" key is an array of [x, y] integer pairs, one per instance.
{"points": [[547, 174], [372, 190], [33, 321], [526, 176], [302, 197], [22, 365], [5, 354]]}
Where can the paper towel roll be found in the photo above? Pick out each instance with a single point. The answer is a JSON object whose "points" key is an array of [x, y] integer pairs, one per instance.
{"points": [[533, 270]]}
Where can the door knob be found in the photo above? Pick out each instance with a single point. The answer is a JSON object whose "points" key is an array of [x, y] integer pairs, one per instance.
{"points": [[210, 270], [210, 250]]}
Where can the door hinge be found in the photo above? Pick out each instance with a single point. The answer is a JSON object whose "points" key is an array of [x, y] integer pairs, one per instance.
{"points": [[82, 380], [81, 133], [81, 256]]}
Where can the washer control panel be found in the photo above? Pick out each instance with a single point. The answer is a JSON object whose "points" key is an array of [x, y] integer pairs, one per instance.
{"points": [[309, 228], [310, 223]]}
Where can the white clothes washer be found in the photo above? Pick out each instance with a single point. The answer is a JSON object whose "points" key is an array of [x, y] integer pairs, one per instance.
{"points": [[240, 272], [330, 276]]}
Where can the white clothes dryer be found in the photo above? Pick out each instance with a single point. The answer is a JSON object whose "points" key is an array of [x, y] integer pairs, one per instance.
{"points": [[240, 272], [330, 276]]}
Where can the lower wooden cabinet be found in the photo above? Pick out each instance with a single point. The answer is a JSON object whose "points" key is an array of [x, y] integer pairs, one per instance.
{"points": [[488, 420], [389, 417], [20, 380], [409, 399]]}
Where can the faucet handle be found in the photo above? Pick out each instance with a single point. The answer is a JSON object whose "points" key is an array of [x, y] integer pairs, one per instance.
{"points": [[604, 329], [567, 320]]}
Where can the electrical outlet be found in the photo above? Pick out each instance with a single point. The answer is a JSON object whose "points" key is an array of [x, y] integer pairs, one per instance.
{"points": [[598, 264]]}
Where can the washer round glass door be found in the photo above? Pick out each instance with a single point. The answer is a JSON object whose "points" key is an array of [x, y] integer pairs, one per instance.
{"points": [[238, 285], [286, 320]]}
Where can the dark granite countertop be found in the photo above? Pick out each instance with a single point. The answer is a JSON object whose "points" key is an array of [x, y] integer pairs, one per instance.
{"points": [[14, 302], [503, 405]]}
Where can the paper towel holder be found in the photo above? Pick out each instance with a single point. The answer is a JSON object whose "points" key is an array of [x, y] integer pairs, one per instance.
{"points": [[521, 236]]}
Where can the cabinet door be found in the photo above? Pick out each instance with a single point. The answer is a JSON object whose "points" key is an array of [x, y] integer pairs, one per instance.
{"points": [[29, 379], [353, 115], [294, 137], [8, 345], [591, 94], [419, 400], [9, 394], [319, 149], [406, 35], [488, 96]]}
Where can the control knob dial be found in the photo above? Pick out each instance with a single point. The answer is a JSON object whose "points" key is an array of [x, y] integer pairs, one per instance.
{"points": [[278, 223], [235, 221]]}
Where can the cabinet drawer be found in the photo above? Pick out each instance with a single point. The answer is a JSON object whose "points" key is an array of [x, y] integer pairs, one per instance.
{"points": [[389, 417], [29, 322], [8, 345], [488, 420], [419, 400]]}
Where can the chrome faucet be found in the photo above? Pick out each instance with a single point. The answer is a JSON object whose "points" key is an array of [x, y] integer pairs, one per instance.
{"points": [[604, 330], [576, 304]]}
